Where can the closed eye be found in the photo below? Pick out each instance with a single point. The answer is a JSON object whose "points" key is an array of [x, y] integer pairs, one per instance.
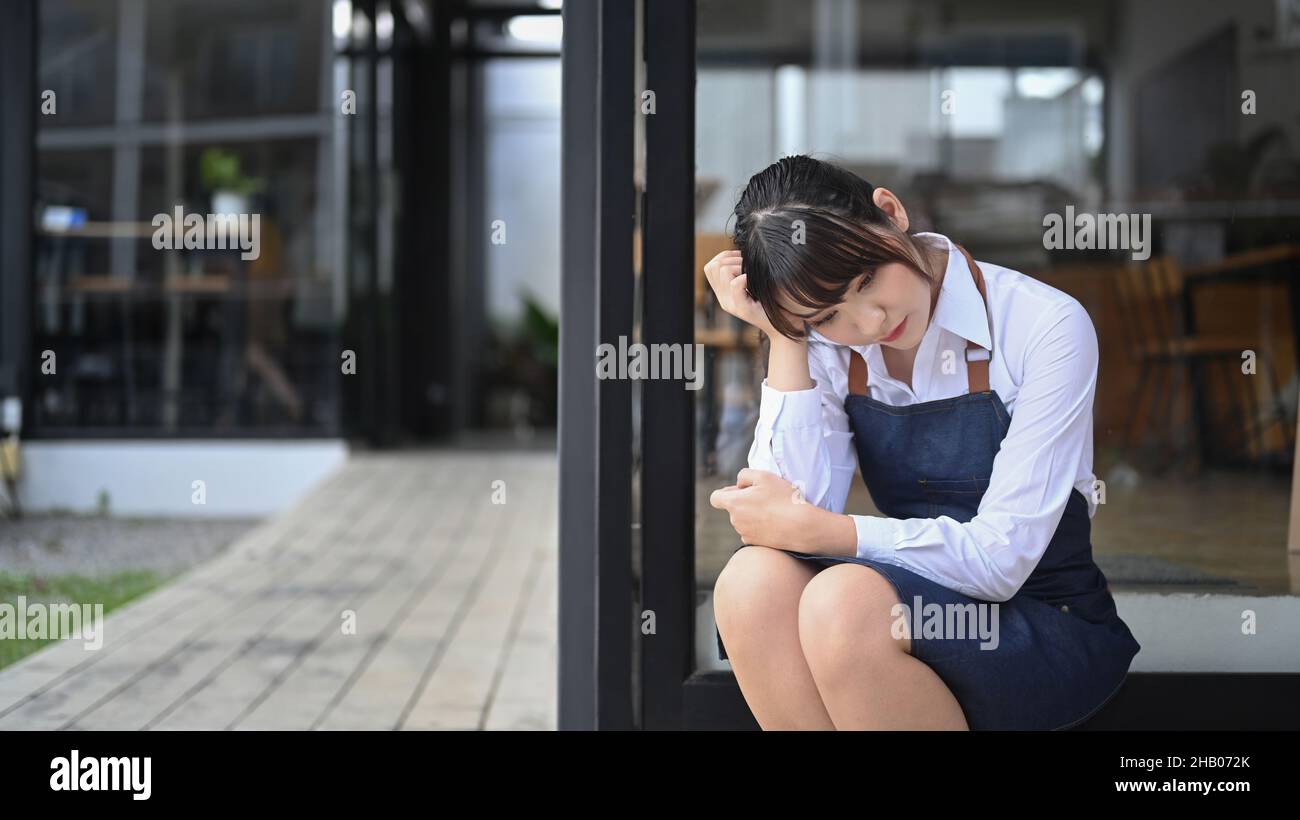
{"points": [[866, 280]]}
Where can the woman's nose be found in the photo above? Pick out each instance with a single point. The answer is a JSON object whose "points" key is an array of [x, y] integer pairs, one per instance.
{"points": [[871, 323]]}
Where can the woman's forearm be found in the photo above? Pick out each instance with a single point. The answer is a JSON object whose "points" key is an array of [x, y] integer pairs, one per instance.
{"points": [[787, 364], [831, 533]]}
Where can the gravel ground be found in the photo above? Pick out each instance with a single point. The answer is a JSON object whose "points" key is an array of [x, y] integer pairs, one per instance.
{"points": [[95, 545]]}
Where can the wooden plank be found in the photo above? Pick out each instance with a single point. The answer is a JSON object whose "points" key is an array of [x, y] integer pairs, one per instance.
{"points": [[380, 695], [372, 562], [45, 668], [222, 594], [456, 602], [310, 693], [163, 698], [527, 696], [475, 653]]}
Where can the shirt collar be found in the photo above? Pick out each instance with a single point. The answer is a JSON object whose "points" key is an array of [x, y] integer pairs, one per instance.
{"points": [[959, 309]]}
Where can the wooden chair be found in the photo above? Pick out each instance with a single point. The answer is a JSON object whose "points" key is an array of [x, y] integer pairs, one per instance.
{"points": [[707, 246], [1150, 299]]}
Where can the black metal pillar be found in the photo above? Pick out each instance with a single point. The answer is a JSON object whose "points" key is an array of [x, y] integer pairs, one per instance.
{"points": [[667, 476], [18, 104], [595, 431]]}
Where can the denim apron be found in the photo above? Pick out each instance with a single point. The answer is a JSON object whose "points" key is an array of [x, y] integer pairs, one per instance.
{"points": [[1062, 650]]}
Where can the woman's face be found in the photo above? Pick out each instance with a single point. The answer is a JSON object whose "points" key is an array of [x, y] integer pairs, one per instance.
{"points": [[892, 308]]}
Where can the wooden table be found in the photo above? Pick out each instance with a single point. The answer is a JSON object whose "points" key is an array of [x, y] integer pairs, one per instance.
{"points": [[1278, 263], [232, 291]]}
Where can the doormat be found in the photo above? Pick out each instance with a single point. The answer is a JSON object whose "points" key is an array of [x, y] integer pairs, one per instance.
{"points": [[1124, 568]]}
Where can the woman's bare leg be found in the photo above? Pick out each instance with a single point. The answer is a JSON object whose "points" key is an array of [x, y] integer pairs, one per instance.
{"points": [[756, 608], [866, 676]]}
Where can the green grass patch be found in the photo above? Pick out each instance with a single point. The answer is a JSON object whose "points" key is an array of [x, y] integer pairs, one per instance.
{"points": [[112, 591]]}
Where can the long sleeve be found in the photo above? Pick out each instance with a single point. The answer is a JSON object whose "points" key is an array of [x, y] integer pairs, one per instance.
{"points": [[804, 435], [992, 555]]}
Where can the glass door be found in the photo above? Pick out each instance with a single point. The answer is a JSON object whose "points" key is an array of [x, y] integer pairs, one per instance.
{"points": [[985, 128]]}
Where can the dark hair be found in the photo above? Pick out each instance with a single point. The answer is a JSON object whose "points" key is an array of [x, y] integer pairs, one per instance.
{"points": [[844, 235]]}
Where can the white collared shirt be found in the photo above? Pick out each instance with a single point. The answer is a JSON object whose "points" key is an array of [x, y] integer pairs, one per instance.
{"points": [[1044, 368]]}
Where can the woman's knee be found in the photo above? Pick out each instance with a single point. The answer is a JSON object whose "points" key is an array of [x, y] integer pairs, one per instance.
{"points": [[848, 610], [756, 585]]}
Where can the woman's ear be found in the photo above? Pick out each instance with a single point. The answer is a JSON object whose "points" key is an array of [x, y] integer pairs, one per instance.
{"points": [[887, 202]]}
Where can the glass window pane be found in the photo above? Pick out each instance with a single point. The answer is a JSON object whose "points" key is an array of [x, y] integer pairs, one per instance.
{"points": [[160, 324], [242, 58], [77, 61], [983, 129]]}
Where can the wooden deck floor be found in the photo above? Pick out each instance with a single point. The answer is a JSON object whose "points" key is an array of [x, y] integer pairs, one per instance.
{"points": [[454, 598]]}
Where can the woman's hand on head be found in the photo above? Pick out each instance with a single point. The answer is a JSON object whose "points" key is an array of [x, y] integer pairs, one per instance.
{"points": [[729, 286]]}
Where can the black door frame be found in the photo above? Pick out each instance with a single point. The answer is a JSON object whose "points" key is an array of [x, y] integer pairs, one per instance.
{"points": [[675, 694], [18, 103], [595, 429]]}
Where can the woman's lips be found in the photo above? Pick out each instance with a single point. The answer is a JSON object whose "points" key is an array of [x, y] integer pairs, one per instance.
{"points": [[898, 331]]}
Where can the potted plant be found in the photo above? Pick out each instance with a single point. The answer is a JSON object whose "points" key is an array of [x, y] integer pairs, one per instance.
{"points": [[220, 173]]}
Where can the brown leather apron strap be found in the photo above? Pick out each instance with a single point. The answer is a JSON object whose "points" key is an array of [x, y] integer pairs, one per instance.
{"points": [[857, 373], [977, 358]]}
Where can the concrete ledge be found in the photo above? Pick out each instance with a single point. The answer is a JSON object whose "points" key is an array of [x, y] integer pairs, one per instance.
{"points": [[151, 477], [1182, 632], [1179, 633]]}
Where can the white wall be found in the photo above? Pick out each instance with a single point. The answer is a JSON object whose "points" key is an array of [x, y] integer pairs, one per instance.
{"points": [[734, 137], [522, 109], [141, 477]]}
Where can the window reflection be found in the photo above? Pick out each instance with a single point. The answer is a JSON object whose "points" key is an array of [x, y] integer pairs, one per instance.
{"points": [[983, 128], [209, 109]]}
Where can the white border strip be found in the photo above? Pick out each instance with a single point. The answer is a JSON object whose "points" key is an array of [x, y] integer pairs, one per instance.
{"points": [[240, 477]]}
